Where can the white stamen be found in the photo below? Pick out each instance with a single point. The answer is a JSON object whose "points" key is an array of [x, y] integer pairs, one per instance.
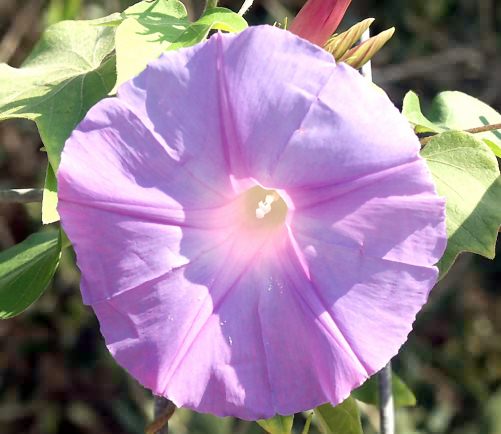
{"points": [[264, 207]]}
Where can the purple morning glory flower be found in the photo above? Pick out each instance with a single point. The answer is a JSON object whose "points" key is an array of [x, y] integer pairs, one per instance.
{"points": [[255, 228]]}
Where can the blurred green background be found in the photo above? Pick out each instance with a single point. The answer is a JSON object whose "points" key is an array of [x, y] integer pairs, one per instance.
{"points": [[56, 376]]}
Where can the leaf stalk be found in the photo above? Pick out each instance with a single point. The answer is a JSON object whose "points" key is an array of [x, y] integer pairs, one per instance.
{"points": [[164, 409], [477, 130]]}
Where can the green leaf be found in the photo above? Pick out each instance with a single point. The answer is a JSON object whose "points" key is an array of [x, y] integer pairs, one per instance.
{"points": [[151, 11], [277, 425], [147, 30], [466, 173], [25, 271], [412, 111], [65, 241], [70, 69], [342, 419], [454, 111], [151, 28], [49, 201], [112, 20], [368, 392], [213, 19]]}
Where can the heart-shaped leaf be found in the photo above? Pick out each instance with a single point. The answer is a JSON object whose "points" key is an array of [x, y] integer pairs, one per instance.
{"points": [[466, 173], [70, 69], [454, 111]]}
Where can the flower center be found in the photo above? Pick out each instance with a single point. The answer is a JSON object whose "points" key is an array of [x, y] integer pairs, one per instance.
{"points": [[264, 208]]}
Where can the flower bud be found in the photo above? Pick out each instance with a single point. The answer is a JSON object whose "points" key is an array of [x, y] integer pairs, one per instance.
{"points": [[319, 19]]}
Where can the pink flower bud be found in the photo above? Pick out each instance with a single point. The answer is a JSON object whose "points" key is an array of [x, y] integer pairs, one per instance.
{"points": [[319, 19]]}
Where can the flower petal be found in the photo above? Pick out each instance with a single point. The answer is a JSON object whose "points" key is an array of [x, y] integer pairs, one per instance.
{"points": [[395, 215], [361, 244], [195, 134], [182, 336], [307, 122], [220, 130], [199, 302], [121, 211]]}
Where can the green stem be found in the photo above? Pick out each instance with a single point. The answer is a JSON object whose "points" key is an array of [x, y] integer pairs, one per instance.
{"points": [[211, 4], [306, 429], [483, 129]]}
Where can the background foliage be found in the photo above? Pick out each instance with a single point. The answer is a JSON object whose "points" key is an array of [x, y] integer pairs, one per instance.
{"points": [[55, 374]]}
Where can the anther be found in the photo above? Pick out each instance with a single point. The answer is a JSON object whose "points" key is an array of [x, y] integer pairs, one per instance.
{"points": [[264, 207]]}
